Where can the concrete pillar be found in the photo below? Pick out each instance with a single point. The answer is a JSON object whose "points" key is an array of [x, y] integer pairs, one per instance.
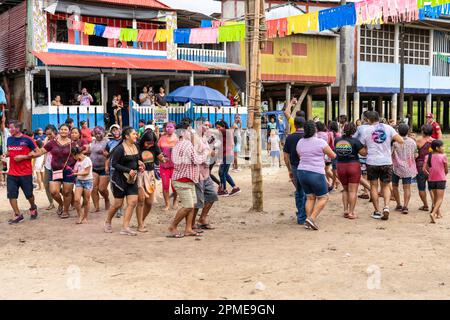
{"points": [[167, 83], [356, 107], [328, 106], [309, 101], [429, 103], [394, 107], [438, 109], [379, 107], [48, 85], [191, 83]]}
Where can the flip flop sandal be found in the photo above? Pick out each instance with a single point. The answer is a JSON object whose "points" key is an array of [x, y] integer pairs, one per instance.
{"points": [[175, 236], [195, 234], [399, 208], [364, 196], [424, 208], [60, 211], [351, 217], [128, 233], [108, 228], [64, 216], [346, 215], [405, 210], [205, 226]]}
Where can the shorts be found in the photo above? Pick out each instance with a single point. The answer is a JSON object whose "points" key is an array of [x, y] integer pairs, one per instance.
{"points": [[237, 148], [101, 173], [349, 172], [313, 183], [130, 190], [436, 185], [362, 161], [84, 184], [68, 177], [205, 192], [14, 183], [275, 154], [384, 173], [421, 180], [186, 193], [396, 179]]}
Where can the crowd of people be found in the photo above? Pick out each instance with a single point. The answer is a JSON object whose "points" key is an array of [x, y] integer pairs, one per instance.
{"points": [[78, 166], [367, 153]]}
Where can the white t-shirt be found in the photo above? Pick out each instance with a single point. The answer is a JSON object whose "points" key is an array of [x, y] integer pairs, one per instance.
{"points": [[378, 139], [274, 143], [80, 166]]}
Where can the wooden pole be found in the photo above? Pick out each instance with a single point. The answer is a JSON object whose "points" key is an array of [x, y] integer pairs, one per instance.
{"points": [[343, 69], [255, 22]]}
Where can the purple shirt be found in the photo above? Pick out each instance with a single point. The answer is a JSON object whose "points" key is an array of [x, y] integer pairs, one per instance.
{"points": [[310, 151]]}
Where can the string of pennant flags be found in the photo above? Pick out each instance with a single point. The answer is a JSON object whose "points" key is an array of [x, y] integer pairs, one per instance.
{"points": [[366, 12]]}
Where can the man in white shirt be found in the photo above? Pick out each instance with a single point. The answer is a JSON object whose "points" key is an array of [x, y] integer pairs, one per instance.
{"points": [[378, 139]]}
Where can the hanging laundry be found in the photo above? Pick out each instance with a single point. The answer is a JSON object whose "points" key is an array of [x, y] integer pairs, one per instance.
{"points": [[181, 36], [282, 27], [302, 23], [203, 35], [128, 35], [313, 18], [337, 17], [163, 35], [206, 24], [146, 35], [99, 30], [111, 33], [89, 29], [232, 33], [277, 27], [77, 25], [216, 23], [271, 28]]}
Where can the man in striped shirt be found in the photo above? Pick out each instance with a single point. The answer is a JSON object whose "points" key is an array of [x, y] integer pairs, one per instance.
{"points": [[187, 158]]}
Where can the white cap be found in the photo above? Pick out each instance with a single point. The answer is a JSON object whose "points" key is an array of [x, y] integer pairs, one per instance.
{"points": [[114, 126], [150, 126]]}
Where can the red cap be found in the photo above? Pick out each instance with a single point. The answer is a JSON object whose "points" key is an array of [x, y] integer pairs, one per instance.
{"points": [[430, 115]]}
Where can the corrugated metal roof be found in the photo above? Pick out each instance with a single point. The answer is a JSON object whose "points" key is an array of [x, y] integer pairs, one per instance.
{"points": [[139, 3], [94, 61], [221, 66]]}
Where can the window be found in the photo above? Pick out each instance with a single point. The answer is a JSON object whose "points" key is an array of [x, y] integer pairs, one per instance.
{"points": [[268, 48], [417, 46], [299, 49], [62, 33], [377, 44], [441, 54]]}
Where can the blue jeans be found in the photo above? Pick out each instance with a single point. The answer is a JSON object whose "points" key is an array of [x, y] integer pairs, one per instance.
{"points": [[224, 176], [300, 198]]}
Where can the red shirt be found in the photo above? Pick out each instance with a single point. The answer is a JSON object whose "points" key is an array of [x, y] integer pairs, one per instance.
{"points": [[86, 135], [22, 145], [436, 130]]}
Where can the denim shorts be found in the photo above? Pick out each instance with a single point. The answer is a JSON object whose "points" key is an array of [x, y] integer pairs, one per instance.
{"points": [[396, 179], [84, 184], [313, 183], [422, 179]]}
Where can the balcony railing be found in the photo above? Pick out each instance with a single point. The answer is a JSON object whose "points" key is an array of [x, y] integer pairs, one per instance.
{"points": [[202, 55]]}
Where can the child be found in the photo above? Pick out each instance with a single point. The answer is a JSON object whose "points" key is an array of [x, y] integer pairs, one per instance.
{"points": [[436, 168], [274, 141], [39, 135], [84, 184], [39, 167]]}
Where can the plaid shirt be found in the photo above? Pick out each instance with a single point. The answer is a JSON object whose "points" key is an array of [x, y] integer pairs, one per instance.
{"points": [[187, 162]]}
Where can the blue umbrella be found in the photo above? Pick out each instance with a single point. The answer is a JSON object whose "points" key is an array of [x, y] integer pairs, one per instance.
{"points": [[2, 96], [198, 95]]}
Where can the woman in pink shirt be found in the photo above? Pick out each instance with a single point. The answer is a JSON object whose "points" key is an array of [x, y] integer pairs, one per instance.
{"points": [[166, 143], [437, 168]]}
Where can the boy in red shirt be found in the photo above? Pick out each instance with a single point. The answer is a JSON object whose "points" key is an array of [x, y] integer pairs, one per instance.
{"points": [[20, 175], [437, 133]]}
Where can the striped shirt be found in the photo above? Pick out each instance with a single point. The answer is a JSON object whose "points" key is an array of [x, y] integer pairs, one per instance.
{"points": [[187, 162]]}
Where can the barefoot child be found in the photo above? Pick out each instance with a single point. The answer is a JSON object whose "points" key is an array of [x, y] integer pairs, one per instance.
{"points": [[84, 184], [39, 167], [436, 168]]}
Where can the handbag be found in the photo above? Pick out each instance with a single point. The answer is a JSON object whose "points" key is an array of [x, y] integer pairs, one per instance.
{"points": [[130, 179], [59, 174]]}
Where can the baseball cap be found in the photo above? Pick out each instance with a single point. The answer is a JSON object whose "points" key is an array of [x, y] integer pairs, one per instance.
{"points": [[430, 115], [150, 126], [114, 126]]}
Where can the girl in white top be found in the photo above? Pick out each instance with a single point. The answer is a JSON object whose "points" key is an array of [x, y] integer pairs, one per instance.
{"points": [[274, 141], [39, 168], [84, 184]]}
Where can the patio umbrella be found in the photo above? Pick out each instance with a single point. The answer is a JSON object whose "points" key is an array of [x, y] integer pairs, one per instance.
{"points": [[199, 95], [2, 96]]}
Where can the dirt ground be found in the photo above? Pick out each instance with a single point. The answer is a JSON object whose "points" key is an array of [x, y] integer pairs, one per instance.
{"points": [[403, 258]]}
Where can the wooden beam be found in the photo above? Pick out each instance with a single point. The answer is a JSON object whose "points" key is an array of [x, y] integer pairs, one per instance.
{"points": [[300, 101]]}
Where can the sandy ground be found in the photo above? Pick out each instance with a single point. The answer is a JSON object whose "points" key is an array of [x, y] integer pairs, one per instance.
{"points": [[403, 258]]}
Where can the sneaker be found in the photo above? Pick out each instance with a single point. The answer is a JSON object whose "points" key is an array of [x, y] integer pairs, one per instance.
{"points": [[311, 224], [307, 227], [223, 193], [376, 215], [385, 214], [235, 191], [16, 220], [33, 214]]}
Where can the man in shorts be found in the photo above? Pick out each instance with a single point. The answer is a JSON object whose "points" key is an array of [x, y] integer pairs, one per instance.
{"points": [[378, 139], [20, 175]]}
